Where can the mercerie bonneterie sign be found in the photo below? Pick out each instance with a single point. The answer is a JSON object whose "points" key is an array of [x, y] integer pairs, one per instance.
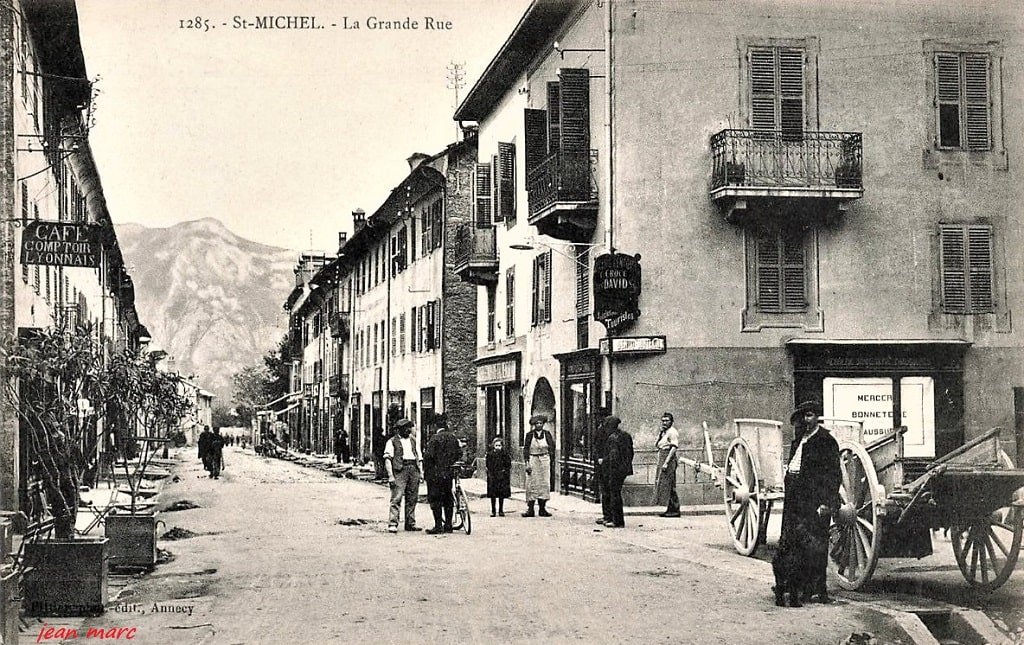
{"points": [[61, 244]]}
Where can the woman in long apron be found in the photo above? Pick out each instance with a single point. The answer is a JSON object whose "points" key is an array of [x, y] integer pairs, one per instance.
{"points": [[537, 455]]}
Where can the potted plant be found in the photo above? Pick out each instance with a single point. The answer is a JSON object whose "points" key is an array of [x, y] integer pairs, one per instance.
{"points": [[52, 377], [147, 404]]}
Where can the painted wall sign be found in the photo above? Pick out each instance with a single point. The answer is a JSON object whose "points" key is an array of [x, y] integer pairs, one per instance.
{"points": [[496, 373], [870, 400], [61, 244], [617, 285], [625, 345]]}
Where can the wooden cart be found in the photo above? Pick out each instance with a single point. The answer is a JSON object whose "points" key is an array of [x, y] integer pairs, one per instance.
{"points": [[973, 492]]}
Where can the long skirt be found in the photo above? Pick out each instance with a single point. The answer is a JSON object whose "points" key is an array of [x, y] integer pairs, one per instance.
{"points": [[538, 482], [666, 483]]}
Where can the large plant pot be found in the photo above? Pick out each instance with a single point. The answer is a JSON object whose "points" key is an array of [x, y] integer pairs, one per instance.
{"points": [[132, 540], [65, 577]]}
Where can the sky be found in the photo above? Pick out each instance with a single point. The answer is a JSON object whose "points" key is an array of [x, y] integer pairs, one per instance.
{"points": [[280, 134]]}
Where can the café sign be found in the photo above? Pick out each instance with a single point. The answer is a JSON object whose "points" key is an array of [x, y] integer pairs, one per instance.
{"points": [[66, 244], [632, 345], [617, 287]]}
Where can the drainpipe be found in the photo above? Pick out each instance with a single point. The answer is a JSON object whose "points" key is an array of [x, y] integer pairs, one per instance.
{"points": [[609, 165]]}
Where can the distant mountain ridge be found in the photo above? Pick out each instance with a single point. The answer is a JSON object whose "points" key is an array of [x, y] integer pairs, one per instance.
{"points": [[210, 298]]}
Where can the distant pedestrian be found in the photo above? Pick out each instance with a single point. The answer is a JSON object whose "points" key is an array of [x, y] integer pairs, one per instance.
{"points": [[403, 465], [618, 464], [341, 446], [440, 455], [538, 453], [668, 462], [216, 453], [499, 475], [204, 449]]}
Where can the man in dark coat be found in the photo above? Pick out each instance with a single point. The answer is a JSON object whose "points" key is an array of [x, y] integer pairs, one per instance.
{"points": [[439, 456], [812, 495], [204, 449], [600, 437], [618, 464], [341, 446], [216, 453]]}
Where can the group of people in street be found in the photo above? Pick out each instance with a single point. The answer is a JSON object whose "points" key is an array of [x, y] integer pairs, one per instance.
{"points": [[211, 451], [405, 466]]}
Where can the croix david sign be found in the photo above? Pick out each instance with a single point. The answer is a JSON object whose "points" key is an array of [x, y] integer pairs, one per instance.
{"points": [[61, 244], [870, 400]]}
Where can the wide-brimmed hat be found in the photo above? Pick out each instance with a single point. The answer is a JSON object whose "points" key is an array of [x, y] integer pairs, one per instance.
{"points": [[539, 418], [806, 406], [403, 423]]}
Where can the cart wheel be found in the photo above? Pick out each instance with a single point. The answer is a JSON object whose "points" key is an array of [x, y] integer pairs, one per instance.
{"points": [[856, 532], [987, 550], [742, 497]]}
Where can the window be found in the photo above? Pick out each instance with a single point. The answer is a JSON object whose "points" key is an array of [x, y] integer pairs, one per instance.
{"points": [[430, 325], [541, 289], [504, 171], [375, 343], [482, 196], [510, 302], [966, 268], [582, 296], [437, 324], [963, 100], [383, 340], [781, 84], [565, 125], [781, 272], [401, 333], [491, 309], [412, 239], [394, 337]]}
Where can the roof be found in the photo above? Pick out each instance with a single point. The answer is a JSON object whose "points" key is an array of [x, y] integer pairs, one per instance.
{"points": [[538, 25]]}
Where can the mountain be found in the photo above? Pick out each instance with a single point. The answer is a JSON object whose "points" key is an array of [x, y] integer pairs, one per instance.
{"points": [[210, 299]]}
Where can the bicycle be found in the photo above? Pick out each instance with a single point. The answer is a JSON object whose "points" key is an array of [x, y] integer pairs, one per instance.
{"points": [[461, 519]]}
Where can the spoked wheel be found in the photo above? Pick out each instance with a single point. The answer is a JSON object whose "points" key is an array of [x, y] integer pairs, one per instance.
{"points": [[856, 532], [462, 510], [743, 505], [987, 550]]}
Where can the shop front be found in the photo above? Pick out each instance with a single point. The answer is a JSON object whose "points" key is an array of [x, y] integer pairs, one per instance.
{"points": [[581, 391], [886, 384], [498, 378]]}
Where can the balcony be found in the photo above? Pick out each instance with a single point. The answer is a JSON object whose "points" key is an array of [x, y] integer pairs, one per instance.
{"points": [[562, 194], [338, 321], [789, 170], [475, 254], [337, 386]]}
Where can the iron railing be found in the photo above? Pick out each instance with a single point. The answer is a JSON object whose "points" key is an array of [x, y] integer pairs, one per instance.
{"points": [[474, 247], [766, 159], [338, 321], [337, 386], [562, 177]]}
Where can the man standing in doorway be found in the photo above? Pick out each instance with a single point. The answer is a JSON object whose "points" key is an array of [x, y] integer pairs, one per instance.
{"points": [[403, 465], [538, 453]]}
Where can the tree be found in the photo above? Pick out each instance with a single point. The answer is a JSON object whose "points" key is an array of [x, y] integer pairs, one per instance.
{"points": [[249, 391], [278, 364], [223, 418]]}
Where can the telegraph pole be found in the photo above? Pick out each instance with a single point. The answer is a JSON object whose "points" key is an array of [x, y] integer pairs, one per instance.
{"points": [[456, 81]]}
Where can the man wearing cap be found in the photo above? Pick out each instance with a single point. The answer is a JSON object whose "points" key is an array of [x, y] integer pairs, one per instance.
{"points": [[439, 456], [538, 451], [618, 464], [403, 465], [812, 495]]}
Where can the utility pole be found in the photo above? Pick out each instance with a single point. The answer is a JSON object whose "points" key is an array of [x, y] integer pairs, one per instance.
{"points": [[456, 81]]}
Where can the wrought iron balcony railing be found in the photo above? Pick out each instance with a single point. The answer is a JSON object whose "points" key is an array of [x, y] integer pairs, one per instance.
{"points": [[563, 178], [475, 254], [338, 321], [338, 386], [759, 159]]}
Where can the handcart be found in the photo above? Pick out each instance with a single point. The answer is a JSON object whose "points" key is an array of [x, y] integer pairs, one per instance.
{"points": [[974, 492]]}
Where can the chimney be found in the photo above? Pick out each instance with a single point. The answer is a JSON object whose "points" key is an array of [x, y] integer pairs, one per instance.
{"points": [[415, 159], [358, 220], [342, 238]]}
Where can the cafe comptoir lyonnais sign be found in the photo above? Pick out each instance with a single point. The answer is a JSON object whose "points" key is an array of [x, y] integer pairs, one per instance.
{"points": [[617, 286], [61, 244]]}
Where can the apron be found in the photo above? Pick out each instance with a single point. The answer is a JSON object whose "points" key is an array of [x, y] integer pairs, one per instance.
{"points": [[538, 482], [666, 477]]}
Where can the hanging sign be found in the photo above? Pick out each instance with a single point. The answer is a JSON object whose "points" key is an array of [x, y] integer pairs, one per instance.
{"points": [[61, 244], [617, 286]]}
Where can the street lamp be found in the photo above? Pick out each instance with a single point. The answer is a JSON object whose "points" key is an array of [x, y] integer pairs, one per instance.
{"points": [[531, 244]]}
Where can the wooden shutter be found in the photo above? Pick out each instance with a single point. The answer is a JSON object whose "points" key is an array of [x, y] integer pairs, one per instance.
{"points": [[437, 324], [954, 265], [777, 89], [582, 281], [547, 286], [574, 105], [977, 102], [510, 302], [412, 236], [535, 123], [769, 274], [947, 99], [966, 264], [498, 213], [483, 196], [781, 274], [554, 115], [793, 273], [506, 177], [429, 333], [979, 267], [534, 301]]}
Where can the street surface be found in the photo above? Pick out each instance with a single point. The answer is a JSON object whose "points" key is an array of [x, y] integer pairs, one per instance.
{"points": [[285, 554]]}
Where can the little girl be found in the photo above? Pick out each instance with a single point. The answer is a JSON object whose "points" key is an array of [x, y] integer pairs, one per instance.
{"points": [[499, 475]]}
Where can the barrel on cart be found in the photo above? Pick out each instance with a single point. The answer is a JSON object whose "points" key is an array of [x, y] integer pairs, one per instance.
{"points": [[973, 492]]}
